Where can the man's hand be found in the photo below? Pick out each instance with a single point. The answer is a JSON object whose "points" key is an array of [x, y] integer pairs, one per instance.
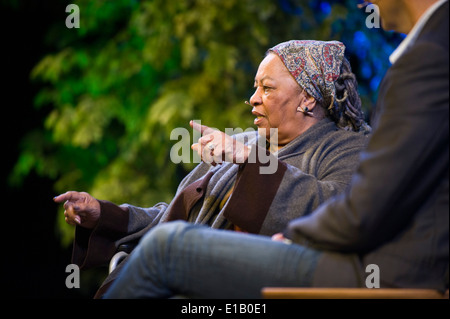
{"points": [[80, 208], [281, 238]]}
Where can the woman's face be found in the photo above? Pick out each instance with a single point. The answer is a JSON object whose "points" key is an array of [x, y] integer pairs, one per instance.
{"points": [[276, 99]]}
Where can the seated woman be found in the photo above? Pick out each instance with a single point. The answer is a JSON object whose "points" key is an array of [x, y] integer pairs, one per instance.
{"points": [[306, 93]]}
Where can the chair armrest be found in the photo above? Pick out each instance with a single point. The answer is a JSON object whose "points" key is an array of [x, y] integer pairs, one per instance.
{"points": [[116, 259], [122, 252], [350, 293]]}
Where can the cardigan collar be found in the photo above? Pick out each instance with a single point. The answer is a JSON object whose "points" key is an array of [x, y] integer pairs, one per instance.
{"points": [[309, 138]]}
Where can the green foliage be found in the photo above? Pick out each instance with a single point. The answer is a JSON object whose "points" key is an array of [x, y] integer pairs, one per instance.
{"points": [[135, 70]]}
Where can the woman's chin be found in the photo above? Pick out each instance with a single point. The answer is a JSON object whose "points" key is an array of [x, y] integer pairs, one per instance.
{"points": [[264, 131]]}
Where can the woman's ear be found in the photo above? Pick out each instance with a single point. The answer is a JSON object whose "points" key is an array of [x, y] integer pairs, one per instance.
{"points": [[309, 102], [307, 105]]}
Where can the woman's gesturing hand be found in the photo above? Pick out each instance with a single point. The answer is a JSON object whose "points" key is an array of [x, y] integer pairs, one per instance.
{"points": [[80, 208], [215, 147]]}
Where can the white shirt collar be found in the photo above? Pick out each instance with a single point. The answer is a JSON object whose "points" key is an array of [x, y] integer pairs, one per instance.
{"points": [[414, 33]]}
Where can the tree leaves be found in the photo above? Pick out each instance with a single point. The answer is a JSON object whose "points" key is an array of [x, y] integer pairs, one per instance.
{"points": [[135, 70]]}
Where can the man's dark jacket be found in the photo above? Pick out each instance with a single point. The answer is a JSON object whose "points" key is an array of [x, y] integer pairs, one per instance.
{"points": [[396, 212]]}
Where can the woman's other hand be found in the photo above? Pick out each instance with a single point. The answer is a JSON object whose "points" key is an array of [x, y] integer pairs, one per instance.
{"points": [[80, 208]]}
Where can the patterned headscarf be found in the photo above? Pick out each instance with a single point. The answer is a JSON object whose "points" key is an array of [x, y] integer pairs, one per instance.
{"points": [[315, 65]]}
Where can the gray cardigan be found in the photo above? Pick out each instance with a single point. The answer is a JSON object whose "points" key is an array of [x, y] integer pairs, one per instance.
{"points": [[309, 170]]}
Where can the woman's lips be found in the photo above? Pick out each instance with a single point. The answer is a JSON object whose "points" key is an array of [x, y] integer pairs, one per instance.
{"points": [[259, 117]]}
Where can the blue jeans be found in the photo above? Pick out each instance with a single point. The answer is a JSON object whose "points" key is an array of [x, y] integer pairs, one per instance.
{"points": [[179, 258]]}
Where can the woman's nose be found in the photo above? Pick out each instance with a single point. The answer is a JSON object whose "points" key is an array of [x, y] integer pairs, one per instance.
{"points": [[255, 99]]}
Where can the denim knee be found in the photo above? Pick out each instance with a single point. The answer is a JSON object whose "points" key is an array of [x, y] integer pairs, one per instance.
{"points": [[160, 237]]}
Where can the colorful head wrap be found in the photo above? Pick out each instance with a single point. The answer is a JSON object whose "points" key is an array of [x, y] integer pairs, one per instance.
{"points": [[315, 65]]}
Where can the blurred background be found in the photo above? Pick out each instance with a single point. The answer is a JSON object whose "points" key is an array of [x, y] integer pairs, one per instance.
{"points": [[92, 108]]}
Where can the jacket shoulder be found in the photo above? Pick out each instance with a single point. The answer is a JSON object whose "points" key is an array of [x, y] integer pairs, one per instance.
{"points": [[436, 30]]}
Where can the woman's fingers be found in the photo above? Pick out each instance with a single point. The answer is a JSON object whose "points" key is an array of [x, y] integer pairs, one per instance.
{"points": [[68, 196], [215, 147], [201, 128], [80, 208], [71, 216]]}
